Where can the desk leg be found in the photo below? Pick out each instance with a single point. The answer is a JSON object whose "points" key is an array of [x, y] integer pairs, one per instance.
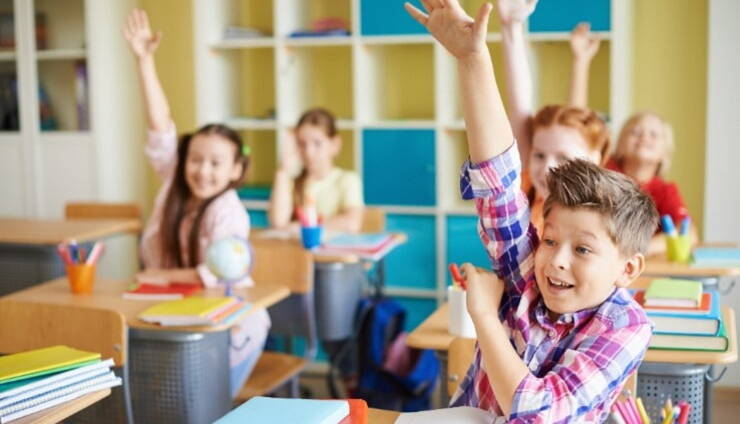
{"points": [[444, 397]]}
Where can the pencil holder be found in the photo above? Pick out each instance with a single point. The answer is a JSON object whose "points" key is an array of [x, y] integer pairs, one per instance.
{"points": [[678, 248], [81, 278], [311, 237], [460, 324]]}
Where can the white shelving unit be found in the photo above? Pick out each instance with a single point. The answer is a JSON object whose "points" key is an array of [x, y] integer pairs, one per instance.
{"points": [[93, 158], [371, 82]]}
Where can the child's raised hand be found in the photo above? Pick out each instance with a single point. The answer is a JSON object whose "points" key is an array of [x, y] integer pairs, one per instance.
{"points": [[484, 291], [139, 34], [290, 159], [514, 11], [583, 43], [450, 25]]}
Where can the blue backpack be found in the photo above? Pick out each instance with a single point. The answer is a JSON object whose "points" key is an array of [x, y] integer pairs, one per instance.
{"points": [[380, 323]]}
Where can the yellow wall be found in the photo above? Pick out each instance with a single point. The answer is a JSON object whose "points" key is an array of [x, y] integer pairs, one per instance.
{"points": [[670, 77]]}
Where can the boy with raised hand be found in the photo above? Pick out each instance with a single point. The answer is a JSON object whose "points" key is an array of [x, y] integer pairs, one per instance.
{"points": [[557, 333]]}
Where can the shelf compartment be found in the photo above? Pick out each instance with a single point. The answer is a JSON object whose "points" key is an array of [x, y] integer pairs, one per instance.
{"points": [[463, 243], [317, 77], [346, 157], [564, 15], [388, 17], [301, 15], [398, 83], [403, 159], [9, 116], [453, 146], [60, 24], [412, 264], [64, 98], [553, 81], [262, 160]]}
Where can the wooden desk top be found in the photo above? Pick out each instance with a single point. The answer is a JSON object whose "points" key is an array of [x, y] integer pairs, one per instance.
{"points": [[433, 334], [661, 267], [64, 410], [381, 416], [107, 294], [53, 232]]}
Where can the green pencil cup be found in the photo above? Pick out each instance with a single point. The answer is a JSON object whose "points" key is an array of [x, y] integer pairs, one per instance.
{"points": [[678, 248]]}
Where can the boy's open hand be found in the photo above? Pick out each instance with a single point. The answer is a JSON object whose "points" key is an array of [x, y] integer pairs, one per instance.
{"points": [[450, 25], [484, 291], [584, 44], [139, 34]]}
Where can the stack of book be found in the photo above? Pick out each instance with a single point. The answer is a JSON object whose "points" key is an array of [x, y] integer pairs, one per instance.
{"points": [[170, 291], [39, 379], [685, 317], [366, 246], [196, 310], [310, 411]]}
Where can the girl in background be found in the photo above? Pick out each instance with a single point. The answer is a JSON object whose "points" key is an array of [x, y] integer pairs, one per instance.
{"points": [[197, 203]]}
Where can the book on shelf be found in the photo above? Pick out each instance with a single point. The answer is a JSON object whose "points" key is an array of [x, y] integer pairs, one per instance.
{"points": [[42, 378], [713, 343], [280, 410], [673, 292], [707, 257], [170, 291]]}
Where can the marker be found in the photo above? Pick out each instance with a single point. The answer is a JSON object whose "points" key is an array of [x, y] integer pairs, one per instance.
{"points": [[64, 254], [73, 251], [683, 416], [685, 223], [456, 276], [668, 226]]}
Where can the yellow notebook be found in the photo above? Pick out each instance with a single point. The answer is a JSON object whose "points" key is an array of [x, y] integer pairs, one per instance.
{"points": [[192, 306], [42, 361]]}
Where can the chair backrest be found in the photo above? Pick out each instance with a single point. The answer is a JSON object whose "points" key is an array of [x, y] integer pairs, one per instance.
{"points": [[373, 220], [97, 210], [459, 357], [283, 262], [30, 325]]}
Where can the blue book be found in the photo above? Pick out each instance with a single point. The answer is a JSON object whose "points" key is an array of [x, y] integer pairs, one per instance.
{"points": [[279, 410], [368, 242], [716, 257], [676, 322]]}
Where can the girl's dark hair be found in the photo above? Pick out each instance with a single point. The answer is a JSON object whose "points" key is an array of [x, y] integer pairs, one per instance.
{"points": [[323, 119], [179, 194]]}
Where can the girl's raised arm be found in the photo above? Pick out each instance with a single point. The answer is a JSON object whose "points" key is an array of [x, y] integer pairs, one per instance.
{"points": [[584, 47]]}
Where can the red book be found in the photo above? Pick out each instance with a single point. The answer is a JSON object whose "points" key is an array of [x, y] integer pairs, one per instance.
{"points": [[171, 291]]}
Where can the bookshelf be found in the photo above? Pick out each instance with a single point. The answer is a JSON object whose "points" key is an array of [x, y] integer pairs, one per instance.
{"points": [[57, 61], [395, 92]]}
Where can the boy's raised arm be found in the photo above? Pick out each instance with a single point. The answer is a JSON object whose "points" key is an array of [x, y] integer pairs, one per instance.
{"points": [[489, 132]]}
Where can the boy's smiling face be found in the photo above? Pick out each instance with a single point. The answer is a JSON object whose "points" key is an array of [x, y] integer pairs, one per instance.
{"points": [[577, 265]]}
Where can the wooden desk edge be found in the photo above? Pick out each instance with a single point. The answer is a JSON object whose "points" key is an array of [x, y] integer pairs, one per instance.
{"points": [[381, 416], [419, 337], [60, 412]]}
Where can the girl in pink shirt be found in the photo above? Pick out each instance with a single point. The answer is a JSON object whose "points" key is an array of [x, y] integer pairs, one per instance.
{"points": [[197, 203]]}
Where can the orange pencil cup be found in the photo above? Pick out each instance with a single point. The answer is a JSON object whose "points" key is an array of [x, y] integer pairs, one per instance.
{"points": [[81, 278]]}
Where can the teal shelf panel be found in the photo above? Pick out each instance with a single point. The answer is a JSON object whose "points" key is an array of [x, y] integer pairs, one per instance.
{"points": [[388, 17], [463, 243], [258, 219], [254, 192], [564, 15], [417, 310], [413, 264], [398, 167]]}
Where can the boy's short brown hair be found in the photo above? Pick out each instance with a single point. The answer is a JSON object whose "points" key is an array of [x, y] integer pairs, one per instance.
{"points": [[631, 217]]}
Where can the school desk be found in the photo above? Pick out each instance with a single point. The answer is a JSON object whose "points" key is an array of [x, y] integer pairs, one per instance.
{"points": [[61, 412], [28, 246], [433, 334], [175, 374], [720, 278]]}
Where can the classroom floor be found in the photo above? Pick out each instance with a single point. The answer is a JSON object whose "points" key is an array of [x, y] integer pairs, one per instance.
{"points": [[725, 411]]}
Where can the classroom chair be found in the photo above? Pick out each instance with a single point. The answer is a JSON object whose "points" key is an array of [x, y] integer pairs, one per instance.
{"points": [[286, 264], [459, 357], [29, 325], [373, 220]]}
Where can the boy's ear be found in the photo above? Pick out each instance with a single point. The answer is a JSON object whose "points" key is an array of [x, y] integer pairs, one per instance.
{"points": [[632, 269]]}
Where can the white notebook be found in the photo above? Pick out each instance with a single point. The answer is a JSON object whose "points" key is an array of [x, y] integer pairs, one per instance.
{"points": [[457, 415], [46, 380]]}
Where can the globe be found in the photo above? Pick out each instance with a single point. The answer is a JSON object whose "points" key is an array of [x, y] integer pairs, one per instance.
{"points": [[229, 258]]}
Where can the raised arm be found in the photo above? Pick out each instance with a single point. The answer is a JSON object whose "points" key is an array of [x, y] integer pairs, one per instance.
{"points": [[512, 14], [584, 47], [143, 44], [281, 205], [489, 132]]}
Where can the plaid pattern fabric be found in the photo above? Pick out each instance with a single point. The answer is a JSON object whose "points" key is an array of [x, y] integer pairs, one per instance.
{"points": [[577, 364]]}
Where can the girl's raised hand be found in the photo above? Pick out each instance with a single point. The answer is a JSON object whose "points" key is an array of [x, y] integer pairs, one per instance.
{"points": [[584, 44], [450, 25], [514, 11], [139, 34]]}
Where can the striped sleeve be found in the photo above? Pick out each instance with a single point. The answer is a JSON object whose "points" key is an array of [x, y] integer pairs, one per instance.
{"points": [[504, 218]]}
